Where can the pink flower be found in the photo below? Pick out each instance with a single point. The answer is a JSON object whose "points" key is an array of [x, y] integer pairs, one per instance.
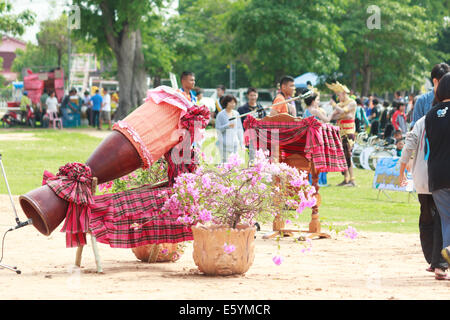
{"points": [[228, 248], [277, 260], [164, 251], [351, 233], [288, 221]]}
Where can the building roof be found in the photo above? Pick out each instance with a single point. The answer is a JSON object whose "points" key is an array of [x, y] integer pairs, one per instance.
{"points": [[10, 44]]}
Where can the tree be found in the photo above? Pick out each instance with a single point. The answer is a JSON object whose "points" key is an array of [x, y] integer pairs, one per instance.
{"points": [[54, 37], [116, 25], [279, 37], [390, 56], [202, 43], [14, 24]]}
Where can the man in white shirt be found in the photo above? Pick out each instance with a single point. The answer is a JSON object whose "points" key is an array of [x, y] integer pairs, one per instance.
{"points": [[105, 111]]}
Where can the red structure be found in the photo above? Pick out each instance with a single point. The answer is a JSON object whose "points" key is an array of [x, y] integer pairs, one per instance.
{"points": [[35, 83], [8, 47]]}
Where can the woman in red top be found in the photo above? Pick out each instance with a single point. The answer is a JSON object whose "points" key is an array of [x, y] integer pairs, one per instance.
{"points": [[399, 118]]}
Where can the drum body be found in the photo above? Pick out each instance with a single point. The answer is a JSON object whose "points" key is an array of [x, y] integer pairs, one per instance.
{"points": [[356, 155], [137, 141]]}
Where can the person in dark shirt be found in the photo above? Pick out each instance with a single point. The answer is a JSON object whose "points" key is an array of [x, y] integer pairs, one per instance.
{"points": [[252, 105], [437, 127]]}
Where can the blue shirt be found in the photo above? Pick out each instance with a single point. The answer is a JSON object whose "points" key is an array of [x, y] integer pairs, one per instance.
{"points": [[422, 106], [96, 102], [192, 94]]}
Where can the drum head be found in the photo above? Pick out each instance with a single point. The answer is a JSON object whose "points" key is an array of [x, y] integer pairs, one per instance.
{"points": [[365, 154]]}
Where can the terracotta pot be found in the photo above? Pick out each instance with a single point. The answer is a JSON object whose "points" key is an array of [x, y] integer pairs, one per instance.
{"points": [[210, 256], [163, 252]]}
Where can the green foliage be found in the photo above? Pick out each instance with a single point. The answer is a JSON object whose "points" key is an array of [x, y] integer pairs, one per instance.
{"points": [[202, 43], [35, 56], [14, 24], [394, 56], [276, 38]]}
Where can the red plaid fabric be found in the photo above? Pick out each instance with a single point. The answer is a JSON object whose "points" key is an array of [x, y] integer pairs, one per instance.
{"points": [[132, 218], [126, 219], [73, 183], [319, 143]]}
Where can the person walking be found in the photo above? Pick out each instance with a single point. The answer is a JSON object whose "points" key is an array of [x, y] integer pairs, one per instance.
{"points": [[229, 133], [429, 220], [437, 127]]}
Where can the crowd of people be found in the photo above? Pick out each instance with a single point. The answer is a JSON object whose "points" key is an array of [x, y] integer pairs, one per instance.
{"points": [[96, 108]]}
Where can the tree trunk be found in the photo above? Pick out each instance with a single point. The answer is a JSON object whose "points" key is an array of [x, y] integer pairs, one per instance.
{"points": [[367, 74], [139, 82], [127, 48]]}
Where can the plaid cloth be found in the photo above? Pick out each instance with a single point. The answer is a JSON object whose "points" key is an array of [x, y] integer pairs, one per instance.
{"points": [[319, 143], [73, 184], [132, 218]]}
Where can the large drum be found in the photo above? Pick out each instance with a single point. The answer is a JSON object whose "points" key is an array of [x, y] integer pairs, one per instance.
{"points": [[137, 141]]}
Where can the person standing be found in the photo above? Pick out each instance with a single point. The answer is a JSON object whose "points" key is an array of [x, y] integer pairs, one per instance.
{"points": [[399, 118], [187, 80], [105, 110], [52, 104], [424, 102], [230, 133], [287, 89], [25, 104], [361, 121], [252, 105], [42, 110], [437, 127], [199, 95], [97, 101], [87, 103], [345, 112], [220, 90]]}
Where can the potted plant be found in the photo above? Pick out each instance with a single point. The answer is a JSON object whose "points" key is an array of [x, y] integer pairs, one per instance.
{"points": [[223, 203]]}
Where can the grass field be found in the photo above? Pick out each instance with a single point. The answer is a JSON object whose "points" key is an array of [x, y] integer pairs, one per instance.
{"points": [[26, 159]]}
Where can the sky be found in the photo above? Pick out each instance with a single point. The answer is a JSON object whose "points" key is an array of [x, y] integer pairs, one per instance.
{"points": [[44, 10]]}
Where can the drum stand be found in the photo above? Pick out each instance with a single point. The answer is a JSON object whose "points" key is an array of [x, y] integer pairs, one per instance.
{"points": [[19, 224]]}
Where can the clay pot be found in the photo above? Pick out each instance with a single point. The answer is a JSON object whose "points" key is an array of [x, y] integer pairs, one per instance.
{"points": [[210, 256], [163, 252]]}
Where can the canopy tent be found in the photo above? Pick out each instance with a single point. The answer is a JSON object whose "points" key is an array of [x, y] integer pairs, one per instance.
{"points": [[300, 81]]}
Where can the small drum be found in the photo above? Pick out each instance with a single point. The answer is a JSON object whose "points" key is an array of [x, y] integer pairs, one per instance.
{"points": [[356, 155], [365, 155]]}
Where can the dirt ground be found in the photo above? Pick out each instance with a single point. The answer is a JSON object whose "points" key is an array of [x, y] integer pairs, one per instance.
{"points": [[382, 266]]}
